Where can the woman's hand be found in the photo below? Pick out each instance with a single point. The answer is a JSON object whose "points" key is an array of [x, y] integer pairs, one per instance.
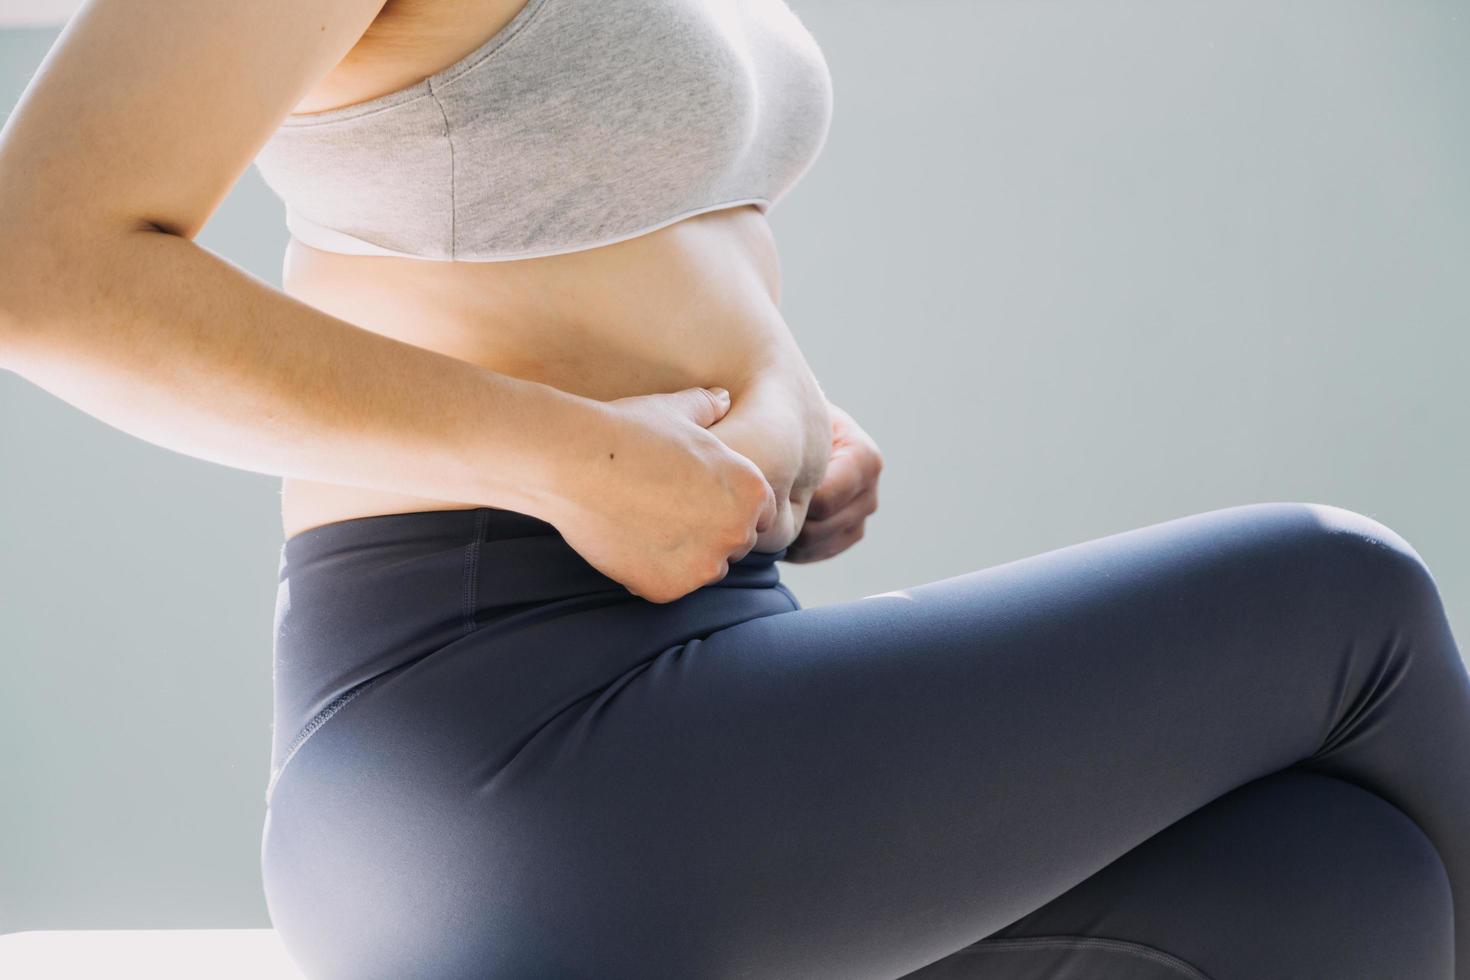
{"points": [[846, 496], [663, 506], [780, 423]]}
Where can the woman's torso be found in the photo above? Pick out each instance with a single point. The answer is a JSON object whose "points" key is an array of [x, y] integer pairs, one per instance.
{"points": [[692, 303]]}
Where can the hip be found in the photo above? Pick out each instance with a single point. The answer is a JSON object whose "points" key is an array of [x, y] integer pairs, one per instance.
{"points": [[462, 631]]}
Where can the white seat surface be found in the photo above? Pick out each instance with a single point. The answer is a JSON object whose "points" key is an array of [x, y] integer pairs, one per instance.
{"points": [[155, 954]]}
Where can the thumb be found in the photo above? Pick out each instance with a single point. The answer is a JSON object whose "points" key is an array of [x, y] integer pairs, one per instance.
{"points": [[705, 406]]}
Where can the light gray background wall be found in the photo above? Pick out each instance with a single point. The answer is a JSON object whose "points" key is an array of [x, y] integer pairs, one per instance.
{"points": [[1078, 267]]}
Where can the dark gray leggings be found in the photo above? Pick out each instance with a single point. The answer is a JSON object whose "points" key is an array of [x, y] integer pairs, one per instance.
{"points": [[1233, 745]]}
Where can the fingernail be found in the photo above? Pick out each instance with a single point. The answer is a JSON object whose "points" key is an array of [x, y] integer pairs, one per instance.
{"points": [[720, 392]]}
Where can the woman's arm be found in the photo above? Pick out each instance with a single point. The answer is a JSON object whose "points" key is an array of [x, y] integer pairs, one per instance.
{"points": [[137, 124], [166, 341], [140, 119]]}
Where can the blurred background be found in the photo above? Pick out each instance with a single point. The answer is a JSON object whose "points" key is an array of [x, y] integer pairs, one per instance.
{"points": [[1078, 267]]}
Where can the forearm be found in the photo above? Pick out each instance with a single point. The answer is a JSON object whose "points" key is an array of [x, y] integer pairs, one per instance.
{"points": [[162, 339]]}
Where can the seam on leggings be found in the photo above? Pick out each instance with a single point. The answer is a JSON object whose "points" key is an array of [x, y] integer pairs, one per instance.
{"points": [[310, 728], [795, 605], [1141, 950], [472, 572], [580, 702], [337, 704]]}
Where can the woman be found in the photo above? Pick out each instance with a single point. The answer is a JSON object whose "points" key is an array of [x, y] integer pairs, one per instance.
{"points": [[543, 707]]}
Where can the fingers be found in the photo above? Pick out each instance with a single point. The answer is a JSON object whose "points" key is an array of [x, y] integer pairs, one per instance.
{"points": [[705, 406], [825, 537], [823, 545], [855, 511], [844, 480], [746, 548]]}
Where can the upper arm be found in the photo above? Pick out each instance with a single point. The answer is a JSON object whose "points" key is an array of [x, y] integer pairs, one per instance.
{"points": [[146, 114]]}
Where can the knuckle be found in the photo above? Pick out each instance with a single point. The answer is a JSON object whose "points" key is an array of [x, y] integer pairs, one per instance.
{"points": [[754, 483]]}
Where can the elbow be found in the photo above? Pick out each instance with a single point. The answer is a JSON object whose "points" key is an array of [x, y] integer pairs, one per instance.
{"points": [[7, 339], [49, 277], [41, 269], [18, 289], [10, 316]]}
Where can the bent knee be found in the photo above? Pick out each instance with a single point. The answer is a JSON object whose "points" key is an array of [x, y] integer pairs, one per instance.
{"points": [[1366, 562], [1370, 535]]}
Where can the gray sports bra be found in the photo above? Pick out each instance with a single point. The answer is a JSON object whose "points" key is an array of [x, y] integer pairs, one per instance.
{"points": [[580, 123]]}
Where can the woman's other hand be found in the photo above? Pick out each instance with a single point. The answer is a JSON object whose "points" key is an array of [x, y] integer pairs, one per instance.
{"points": [[846, 496], [663, 506]]}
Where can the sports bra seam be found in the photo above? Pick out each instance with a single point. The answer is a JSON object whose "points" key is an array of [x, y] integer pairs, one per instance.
{"points": [[359, 238], [449, 139], [581, 246], [421, 89], [639, 232]]}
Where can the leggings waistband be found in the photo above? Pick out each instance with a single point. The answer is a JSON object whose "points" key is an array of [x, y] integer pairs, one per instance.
{"points": [[532, 561]]}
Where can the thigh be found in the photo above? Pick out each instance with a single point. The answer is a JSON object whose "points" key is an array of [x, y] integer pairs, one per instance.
{"points": [[1296, 874], [854, 790]]}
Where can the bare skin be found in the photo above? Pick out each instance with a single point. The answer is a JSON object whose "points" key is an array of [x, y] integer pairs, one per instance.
{"points": [[694, 303], [690, 304], [573, 387]]}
